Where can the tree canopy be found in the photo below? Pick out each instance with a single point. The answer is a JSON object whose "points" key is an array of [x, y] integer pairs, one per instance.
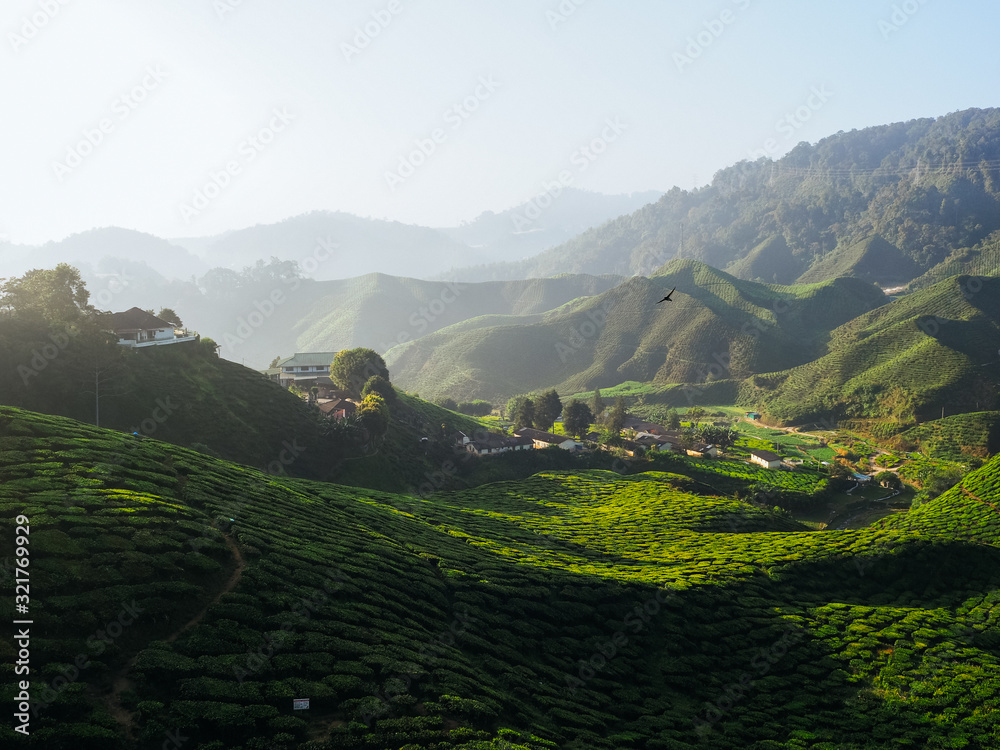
{"points": [[547, 409], [577, 418], [56, 294], [351, 368]]}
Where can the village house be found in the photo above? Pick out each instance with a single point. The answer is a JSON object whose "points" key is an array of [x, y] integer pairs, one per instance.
{"points": [[490, 443], [305, 369], [703, 450], [139, 329], [767, 459], [546, 439], [336, 408]]}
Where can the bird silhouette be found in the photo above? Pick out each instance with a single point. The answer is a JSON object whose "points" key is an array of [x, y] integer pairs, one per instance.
{"points": [[667, 298]]}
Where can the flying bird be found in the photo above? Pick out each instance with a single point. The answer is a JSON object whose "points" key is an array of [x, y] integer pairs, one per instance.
{"points": [[667, 298]]}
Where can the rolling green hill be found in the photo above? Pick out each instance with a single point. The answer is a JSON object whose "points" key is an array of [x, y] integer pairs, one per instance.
{"points": [[885, 203], [951, 438], [376, 311], [901, 363], [176, 595], [716, 327]]}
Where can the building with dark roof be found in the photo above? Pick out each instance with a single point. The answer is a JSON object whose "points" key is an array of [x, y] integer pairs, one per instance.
{"points": [[545, 439], [304, 369], [767, 459], [138, 328]]}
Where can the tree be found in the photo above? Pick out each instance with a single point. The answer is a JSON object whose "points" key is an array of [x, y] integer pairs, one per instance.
{"points": [[695, 413], [525, 416], [577, 418], [722, 437], [513, 406], [689, 437], [168, 315], [673, 420], [547, 409], [381, 386], [373, 413], [597, 405], [477, 408], [351, 368], [889, 480], [616, 419], [448, 403], [274, 362], [57, 294]]}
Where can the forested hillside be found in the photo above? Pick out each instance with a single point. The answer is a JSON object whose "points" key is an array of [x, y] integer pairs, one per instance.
{"points": [[938, 348], [885, 203]]}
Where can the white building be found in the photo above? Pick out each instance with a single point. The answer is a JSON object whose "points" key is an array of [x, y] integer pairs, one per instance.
{"points": [[138, 328]]}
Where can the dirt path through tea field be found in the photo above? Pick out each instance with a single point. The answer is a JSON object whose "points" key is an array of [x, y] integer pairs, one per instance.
{"points": [[121, 681]]}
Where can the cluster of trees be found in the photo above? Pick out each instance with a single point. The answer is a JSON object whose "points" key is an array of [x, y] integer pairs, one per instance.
{"points": [[541, 413], [363, 373]]}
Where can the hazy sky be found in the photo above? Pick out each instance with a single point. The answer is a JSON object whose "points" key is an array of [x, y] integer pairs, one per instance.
{"points": [[432, 111]]}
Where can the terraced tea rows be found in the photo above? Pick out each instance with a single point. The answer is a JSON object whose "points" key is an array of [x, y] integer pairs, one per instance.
{"points": [[569, 610]]}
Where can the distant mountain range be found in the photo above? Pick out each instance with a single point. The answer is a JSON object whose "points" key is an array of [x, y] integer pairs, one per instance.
{"points": [[334, 245], [886, 204]]}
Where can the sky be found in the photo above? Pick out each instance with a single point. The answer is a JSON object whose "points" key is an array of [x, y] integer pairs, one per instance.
{"points": [[193, 117]]}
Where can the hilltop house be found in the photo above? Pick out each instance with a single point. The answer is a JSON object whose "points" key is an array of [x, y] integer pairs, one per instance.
{"points": [[139, 329], [767, 459], [546, 439], [305, 369]]}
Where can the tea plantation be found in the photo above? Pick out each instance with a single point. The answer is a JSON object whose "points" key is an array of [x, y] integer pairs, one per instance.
{"points": [[183, 601]]}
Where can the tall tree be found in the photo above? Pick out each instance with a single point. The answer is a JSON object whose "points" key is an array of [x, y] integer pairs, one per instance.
{"points": [[597, 405], [525, 416], [373, 412], [547, 409], [381, 386], [167, 314], [673, 420], [57, 294], [351, 368], [616, 419], [577, 418]]}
